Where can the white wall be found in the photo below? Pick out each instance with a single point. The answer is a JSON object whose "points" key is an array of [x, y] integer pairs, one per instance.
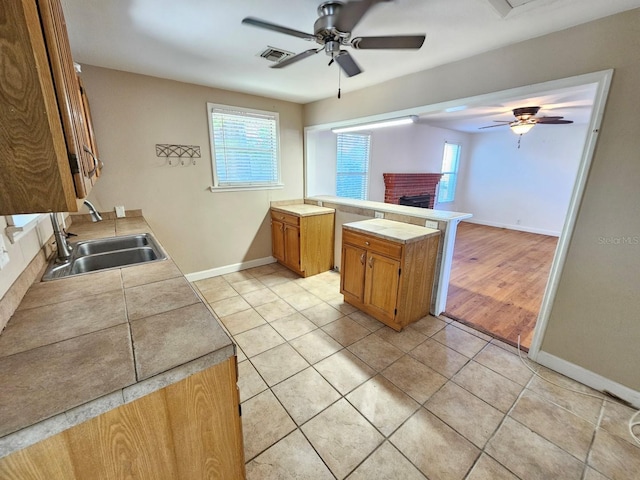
{"points": [[524, 189], [321, 150], [201, 230]]}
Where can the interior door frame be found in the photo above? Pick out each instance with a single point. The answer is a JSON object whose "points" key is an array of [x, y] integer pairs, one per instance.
{"points": [[602, 80]]}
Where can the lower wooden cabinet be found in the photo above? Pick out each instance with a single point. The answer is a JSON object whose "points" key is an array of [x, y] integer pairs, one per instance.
{"points": [[188, 430], [389, 279], [302, 238]]}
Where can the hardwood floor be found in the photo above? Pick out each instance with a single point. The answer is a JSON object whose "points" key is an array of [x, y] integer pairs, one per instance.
{"points": [[498, 279]]}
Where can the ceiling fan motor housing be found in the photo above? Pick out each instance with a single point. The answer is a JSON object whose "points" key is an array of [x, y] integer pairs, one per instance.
{"points": [[525, 113], [325, 28]]}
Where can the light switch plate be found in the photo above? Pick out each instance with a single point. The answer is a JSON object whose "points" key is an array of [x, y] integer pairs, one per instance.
{"points": [[4, 254], [379, 215], [431, 224], [119, 211]]}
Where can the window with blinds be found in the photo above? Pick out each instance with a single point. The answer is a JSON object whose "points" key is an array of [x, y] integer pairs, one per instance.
{"points": [[352, 175], [244, 147], [449, 179]]}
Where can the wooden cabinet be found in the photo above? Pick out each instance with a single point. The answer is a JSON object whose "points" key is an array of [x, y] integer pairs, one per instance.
{"points": [[302, 238], [190, 429], [389, 278], [48, 154]]}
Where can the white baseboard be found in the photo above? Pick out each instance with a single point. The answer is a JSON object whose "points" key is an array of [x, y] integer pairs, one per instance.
{"points": [[236, 267], [582, 375], [521, 228]]}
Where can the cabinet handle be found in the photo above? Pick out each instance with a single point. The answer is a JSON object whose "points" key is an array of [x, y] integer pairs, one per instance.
{"points": [[97, 163], [370, 262], [362, 258], [367, 243]]}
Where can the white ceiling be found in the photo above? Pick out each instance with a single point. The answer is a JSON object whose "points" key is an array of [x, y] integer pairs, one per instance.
{"points": [[203, 41], [573, 103]]}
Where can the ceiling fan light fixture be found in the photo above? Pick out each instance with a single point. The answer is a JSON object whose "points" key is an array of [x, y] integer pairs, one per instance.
{"points": [[520, 128], [394, 122]]}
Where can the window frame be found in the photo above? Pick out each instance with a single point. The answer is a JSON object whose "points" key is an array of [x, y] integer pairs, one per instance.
{"points": [[452, 173], [368, 164], [243, 186]]}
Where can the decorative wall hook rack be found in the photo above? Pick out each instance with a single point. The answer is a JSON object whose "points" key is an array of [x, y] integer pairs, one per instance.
{"points": [[178, 151]]}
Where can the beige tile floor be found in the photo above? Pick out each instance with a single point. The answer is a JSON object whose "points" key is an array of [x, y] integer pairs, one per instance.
{"points": [[328, 392]]}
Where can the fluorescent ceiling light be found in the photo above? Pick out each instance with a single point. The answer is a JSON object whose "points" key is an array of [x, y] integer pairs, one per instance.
{"points": [[382, 124]]}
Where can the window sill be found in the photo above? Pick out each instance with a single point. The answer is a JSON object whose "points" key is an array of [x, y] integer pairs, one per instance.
{"points": [[240, 188], [15, 230]]}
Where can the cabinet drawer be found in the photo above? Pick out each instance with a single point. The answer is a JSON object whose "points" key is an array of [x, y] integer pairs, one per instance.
{"points": [[285, 217], [378, 245]]}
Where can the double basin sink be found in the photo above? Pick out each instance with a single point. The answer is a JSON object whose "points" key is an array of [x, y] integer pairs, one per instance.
{"points": [[107, 253]]}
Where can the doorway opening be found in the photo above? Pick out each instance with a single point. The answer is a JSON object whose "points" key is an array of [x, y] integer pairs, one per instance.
{"points": [[320, 174]]}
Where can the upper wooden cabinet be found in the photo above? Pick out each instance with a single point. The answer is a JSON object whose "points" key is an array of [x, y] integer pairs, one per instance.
{"points": [[48, 155], [302, 237], [388, 269]]}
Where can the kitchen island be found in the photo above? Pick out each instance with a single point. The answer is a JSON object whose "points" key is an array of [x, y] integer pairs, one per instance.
{"points": [[118, 373], [349, 210]]}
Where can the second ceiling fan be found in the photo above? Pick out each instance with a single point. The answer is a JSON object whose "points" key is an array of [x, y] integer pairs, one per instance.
{"points": [[332, 31], [526, 119]]}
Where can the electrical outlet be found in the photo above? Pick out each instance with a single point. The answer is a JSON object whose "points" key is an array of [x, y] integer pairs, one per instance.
{"points": [[120, 211], [431, 224], [4, 254], [379, 215]]}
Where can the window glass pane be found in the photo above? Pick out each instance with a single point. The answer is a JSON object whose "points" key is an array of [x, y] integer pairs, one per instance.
{"points": [[245, 145], [353, 165], [447, 185]]}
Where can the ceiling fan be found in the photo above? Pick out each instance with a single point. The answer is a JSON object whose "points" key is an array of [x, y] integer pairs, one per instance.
{"points": [[332, 30], [526, 119]]}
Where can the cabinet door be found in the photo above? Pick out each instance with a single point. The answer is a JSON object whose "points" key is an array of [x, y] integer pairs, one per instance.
{"points": [[68, 95], [277, 239], [292, 246], [353, 271], [381, 284]]}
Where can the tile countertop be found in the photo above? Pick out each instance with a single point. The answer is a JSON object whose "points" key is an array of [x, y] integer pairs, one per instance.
{"points": [[391, 230], [83, 345], [302, 209]]}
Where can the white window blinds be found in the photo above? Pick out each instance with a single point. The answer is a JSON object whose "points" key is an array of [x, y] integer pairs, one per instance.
{"points": [[244, 146], [352, 176]]}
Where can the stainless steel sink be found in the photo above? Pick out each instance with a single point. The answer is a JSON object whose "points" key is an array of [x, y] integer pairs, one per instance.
{"points": [[107, 253], [112, 244]]}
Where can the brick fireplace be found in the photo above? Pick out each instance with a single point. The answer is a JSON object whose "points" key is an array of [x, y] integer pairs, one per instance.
{"points": [[401, 184]]}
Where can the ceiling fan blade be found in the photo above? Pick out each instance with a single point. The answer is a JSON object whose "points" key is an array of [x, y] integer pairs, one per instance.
{"points": [[288, 61], [348, 64], [352, 12], [542, 121], [548, 118], [395, 41], [255, 22], [494, 126]]}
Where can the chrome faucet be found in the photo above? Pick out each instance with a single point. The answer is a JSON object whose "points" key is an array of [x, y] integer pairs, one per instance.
{"points": [[64, 249], [62, 245], [95, 216]]}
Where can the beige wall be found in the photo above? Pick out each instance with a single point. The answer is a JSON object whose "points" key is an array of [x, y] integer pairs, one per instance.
{"points": [[201, 230], [594, 321]]}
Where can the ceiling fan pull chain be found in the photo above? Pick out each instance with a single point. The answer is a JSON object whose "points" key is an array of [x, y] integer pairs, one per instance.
{"points": [[519, 139], [339, 77]]}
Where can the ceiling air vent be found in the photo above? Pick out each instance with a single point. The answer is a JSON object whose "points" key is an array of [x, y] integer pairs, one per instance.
{"points": [[275, 54]]}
